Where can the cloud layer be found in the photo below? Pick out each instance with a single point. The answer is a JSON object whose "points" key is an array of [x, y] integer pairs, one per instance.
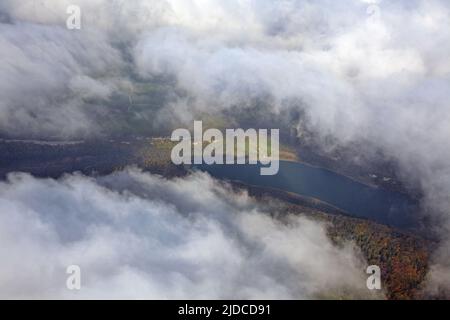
{"points": [[136, 235], [372, 73]]}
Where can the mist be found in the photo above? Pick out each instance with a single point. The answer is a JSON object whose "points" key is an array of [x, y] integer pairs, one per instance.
{"points": [[140, 236], [369, 73]]}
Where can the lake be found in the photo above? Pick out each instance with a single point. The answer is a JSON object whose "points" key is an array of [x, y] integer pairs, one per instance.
{"points": [[355, 198]]}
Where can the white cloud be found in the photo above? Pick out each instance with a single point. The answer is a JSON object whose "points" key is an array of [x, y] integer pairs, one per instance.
{"points": [[378, 78], [136, 235]]}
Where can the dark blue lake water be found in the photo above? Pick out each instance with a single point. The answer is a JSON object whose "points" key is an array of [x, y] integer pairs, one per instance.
{"points": [[357, 199]]}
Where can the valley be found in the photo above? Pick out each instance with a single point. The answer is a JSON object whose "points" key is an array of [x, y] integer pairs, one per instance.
{"points": [[402, 253]]}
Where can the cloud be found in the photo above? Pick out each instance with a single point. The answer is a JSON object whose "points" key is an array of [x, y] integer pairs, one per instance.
{"points": [[369, 73], [136, 235], [375, 78], [43, 69]]}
